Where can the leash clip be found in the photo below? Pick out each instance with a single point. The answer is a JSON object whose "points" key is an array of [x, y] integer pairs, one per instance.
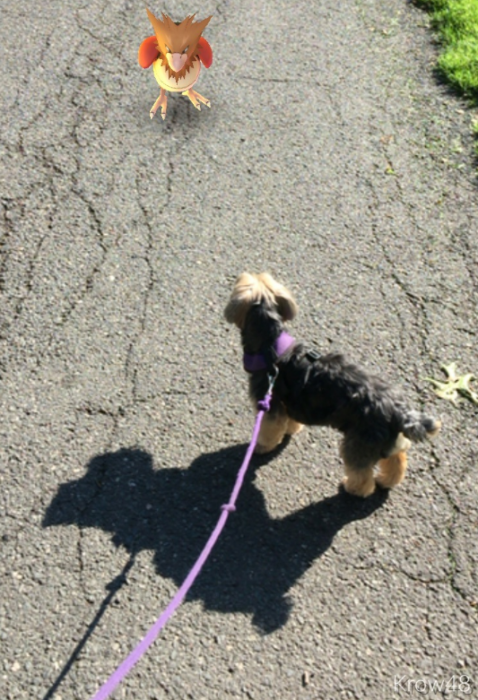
{"points": [[265, 403], [272, 378]]}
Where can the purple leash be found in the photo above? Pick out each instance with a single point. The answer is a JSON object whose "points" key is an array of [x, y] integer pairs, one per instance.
{"points": [[123, 670]]}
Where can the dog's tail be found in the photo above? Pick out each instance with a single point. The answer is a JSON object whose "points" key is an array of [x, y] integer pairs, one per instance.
{"points": [[417, 426]]}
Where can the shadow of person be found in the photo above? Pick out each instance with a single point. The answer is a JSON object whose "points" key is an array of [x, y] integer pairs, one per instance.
{"points": [[173, 511]]}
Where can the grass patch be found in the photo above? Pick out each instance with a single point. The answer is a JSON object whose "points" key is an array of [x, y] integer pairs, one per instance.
{"points": [[474, 127], [456, 22]]}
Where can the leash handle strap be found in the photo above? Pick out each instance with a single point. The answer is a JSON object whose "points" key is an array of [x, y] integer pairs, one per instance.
{"points": [[122, 671]]}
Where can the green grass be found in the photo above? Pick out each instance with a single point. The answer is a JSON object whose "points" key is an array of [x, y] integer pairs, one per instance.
{"points": [[474, 127], [456, 22]]}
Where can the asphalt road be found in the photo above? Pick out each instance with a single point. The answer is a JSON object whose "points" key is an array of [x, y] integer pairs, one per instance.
{"points": [[332, 157]]}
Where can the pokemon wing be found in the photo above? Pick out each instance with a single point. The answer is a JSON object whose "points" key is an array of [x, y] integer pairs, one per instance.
{"points": [[204, 52], [148, 52]]}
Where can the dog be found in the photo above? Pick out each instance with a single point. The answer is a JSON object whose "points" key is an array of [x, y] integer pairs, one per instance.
{"points": [[313, 389]]}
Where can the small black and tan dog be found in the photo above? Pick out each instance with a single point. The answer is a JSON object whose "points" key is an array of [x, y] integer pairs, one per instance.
{"points": [[313, 389]]}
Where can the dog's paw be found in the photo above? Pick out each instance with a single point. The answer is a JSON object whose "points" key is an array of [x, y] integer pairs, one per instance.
{"points": [[263, 449], [385, 481], [356, 488]]}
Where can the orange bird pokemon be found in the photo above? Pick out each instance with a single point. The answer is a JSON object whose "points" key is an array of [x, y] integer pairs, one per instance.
{"points": [[176, 52]]}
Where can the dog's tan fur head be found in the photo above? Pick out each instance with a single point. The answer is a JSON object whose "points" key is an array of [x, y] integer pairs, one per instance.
{"points": [[250, 289]]}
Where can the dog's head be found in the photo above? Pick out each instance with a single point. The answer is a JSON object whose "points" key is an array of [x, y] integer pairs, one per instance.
{"points": [[251, 290]]}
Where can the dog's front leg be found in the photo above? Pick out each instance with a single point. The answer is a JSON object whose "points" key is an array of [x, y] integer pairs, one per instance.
{"points": [[271, 434], [359, 482]]}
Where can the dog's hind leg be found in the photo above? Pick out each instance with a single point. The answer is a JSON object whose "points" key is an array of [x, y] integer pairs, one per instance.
{"points": [[271, 434], [392, 470]]}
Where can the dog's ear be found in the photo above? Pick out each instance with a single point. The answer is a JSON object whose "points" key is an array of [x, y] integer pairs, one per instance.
{"points": [[247, 291], [283, 298]]}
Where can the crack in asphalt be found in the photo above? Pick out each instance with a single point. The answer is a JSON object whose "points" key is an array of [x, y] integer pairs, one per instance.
{"points": [[50, 169], [412, 299], [451, 528], [81, 564], [129, 372], [4, 240], [388, 568], [462, 240], [220, 9], [109, 47]]}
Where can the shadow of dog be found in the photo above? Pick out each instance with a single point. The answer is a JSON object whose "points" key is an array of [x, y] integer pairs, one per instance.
{"points": [[173, 511]]}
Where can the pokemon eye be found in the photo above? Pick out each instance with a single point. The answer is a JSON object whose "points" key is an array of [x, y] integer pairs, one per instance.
{"points": [[186, 49]]}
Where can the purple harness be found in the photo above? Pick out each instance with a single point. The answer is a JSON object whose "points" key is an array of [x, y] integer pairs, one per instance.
{"points": [[255, 362]]}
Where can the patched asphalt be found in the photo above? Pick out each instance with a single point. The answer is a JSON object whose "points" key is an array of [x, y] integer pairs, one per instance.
{"points": [[333, 157]]}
